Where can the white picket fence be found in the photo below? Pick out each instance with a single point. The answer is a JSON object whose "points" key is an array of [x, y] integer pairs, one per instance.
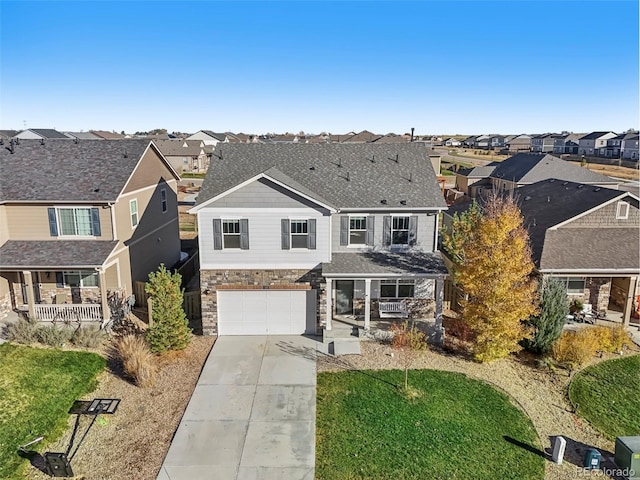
{"points": [[83, 312]]}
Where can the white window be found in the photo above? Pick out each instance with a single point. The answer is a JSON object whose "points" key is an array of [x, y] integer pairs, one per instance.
{"points": [[575, 285], [400, 231], [231, 233], [80, 279], [397, 288], [357, 230], [133, 210], [299, 234], [622, 211], [75, 221], [163, 199]]}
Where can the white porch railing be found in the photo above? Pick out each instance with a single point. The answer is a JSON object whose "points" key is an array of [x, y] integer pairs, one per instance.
{"points": [[393, 310], [83, 312]]}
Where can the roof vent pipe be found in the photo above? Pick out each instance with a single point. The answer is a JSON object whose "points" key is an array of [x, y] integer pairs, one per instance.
{"points": [[412, 129]]}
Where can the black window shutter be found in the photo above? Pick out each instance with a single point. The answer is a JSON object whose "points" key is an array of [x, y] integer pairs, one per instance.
{"points": [[311, 237], [413, 229], [386, 230], [284, 229], [95, 222], [53, 225], [371, 223], [244, 234], [59, 280], [217, 234], [344, 230]]}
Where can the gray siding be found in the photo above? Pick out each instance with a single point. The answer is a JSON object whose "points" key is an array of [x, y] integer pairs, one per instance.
{"points": [[425, 240], [606, 217], [262, 194]]}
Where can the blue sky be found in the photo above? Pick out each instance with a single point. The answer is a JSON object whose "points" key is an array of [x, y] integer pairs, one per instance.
{"points": [[441, 67]]}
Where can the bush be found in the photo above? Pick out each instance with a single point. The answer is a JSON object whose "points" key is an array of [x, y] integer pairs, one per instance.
{"points": [[53, 335], [137, 360], [23, 331], [88, 337], [610, 339], [548, 323], [576, 348]]}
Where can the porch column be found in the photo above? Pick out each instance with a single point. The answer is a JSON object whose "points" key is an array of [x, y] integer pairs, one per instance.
{"points": [[30, 298], [439, 302], [628, 305], [329, 298], [367, 303], [106, 313]]}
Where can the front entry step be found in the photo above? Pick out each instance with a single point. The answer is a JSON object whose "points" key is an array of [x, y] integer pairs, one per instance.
{"points": [[345, 346]]}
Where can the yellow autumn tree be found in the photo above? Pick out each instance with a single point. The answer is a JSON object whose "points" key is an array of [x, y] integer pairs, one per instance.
{"points": [[495, 274]]}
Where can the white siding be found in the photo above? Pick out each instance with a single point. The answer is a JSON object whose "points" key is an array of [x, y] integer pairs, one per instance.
{"points": [[265, 250]]}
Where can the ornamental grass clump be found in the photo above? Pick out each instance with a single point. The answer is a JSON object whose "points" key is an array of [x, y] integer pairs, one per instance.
{"points": [[138, 363]]}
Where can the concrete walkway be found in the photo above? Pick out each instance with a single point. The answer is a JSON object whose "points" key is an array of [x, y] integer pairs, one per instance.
{"points": [[251, 415]]}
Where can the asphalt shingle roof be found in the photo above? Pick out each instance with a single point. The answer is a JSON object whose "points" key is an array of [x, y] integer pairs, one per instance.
{"points": [[218, 136], [18, 254], [63, 170], [346, 176], [48, 133], [483, 171], [531, 168], [593, 135], [377, 262], [177, 148], [83, 135], [548, 203]]}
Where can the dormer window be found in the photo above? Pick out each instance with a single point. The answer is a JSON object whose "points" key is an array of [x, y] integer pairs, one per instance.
{"points": [[622, 211]]}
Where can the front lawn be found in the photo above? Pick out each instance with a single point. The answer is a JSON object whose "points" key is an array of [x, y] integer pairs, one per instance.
{"points": [[608, 395], [459, 429], [37, 389]]}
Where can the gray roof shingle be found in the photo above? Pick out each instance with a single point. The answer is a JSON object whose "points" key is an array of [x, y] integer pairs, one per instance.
{"points": [[342, 174], [531, 168], [383, 262], [63, 170], [482, 171], [18, 254], [48, 133]]}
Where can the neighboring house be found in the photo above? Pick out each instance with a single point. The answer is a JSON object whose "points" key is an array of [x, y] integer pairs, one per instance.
{"points": [[612, 147], [364, 136], [585, 236], [629, 147], [209, 137], [7, 134], [393, 138], [452, 142], [590, 143], [483, 141], [470, 142], [567, 144], [293, 237], [286, 138], [521, 143], [472, 181], [496, 141], [186, 155], [79, 220], [105, 135], [545, 143], [82, 136], [40, 134]]}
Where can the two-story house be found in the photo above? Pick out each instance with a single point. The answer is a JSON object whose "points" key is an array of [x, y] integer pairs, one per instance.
{"points": [[293, 236], [209, 137], [186, 155], [545, 142], [80, 219], [629, 147], [585, 236], [566, 143], [590, 143], [520, 143]]}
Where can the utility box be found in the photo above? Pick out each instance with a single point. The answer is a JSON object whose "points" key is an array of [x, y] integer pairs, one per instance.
{"points": [[592, 459], [627, 456]]}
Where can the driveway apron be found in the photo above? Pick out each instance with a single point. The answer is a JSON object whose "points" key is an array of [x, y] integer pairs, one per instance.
{"points": [[251, 415]]}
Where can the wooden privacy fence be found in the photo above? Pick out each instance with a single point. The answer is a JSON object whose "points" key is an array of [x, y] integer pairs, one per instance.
{"points": [[450, 296], [191, 304], [189, 269]]}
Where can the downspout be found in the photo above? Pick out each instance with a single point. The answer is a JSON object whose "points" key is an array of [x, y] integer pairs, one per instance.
{"points": [[112, 210]]}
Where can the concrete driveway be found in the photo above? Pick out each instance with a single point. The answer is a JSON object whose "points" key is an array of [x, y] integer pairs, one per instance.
{"points": [[252, 413]]}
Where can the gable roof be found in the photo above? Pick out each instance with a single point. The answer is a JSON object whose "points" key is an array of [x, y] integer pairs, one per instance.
{"points": [[47, 133], [531, 168], [480, 171], [177, 147], [548, 203], [8, 133], [218, 136], [594, 135], [83, 135], [66, 171], [107, 135], [339, 175], [364, 136]]}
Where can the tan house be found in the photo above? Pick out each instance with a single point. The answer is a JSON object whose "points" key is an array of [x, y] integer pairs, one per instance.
{"points": [[186, 155], [80, 220]]}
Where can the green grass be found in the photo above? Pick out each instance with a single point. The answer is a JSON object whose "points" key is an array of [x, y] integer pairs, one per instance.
{"points": [[192, 175], [457, 429], [37, 389], [608, 396]]}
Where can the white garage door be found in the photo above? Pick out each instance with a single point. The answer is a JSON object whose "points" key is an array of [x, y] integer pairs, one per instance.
{"points": [[266, 312]]}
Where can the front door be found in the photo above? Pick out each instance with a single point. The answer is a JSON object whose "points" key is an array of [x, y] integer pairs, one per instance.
{"points": [[344, 297]]}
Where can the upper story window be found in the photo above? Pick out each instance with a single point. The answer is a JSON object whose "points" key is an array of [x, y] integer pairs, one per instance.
{"points": [[357, 230], [163, 199], [74, 221], [299, 233], [231, 233], [133, 211], [622, 211], [400, 231]]}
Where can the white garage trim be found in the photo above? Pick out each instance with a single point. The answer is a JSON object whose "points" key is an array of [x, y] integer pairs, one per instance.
{"points": [[266, 312]]}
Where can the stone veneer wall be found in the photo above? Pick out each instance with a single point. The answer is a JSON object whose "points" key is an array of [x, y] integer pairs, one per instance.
{"points": [[5, 305], [598, 290], [49, 291], [210, 280]]}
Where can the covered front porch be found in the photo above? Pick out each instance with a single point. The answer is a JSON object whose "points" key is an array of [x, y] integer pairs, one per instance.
{"points": [[375, 289], [61, 281]]}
